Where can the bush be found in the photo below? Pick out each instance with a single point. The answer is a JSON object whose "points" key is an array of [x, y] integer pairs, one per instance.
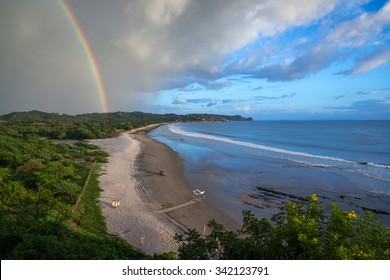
{"points": [[300, 231]]}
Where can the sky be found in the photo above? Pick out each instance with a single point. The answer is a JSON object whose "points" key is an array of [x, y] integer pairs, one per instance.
{"points": [[268, 59]]}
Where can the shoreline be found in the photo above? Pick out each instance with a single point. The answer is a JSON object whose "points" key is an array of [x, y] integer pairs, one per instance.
{"points": [[134, 220], [153, 208], [263, 185], [172, 194]]}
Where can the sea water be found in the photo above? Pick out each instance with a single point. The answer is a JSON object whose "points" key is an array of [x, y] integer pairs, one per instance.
{"points": [[302, 157]]}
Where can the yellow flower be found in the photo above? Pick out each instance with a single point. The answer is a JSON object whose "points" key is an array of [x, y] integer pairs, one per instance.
{"points": [[301, 236], [351, 215], [315, 240], [313, 197]]}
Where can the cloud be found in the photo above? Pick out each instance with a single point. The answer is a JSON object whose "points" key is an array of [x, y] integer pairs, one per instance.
{"points": [[369, 62], [42, 65], [339, 97], [244, 108], [379, 107], [145, 46], [190, 40], [262, 97], [212, 103], [316, 59], [375, 91], [162, 12], [363, 92], [362, 29], [323, 48], [258, 88], [181, 101], [206, 85], [226, 101], [287, 96], [218, 85]]}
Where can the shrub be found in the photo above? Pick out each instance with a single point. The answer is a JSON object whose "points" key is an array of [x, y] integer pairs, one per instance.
{"points": [[300, 231]]}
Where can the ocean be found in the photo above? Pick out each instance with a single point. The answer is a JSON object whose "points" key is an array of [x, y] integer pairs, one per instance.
{"points": [[253, 165]]}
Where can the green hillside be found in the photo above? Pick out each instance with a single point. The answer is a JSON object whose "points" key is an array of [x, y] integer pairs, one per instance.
{"points": [[118, 117], [96, 125]]}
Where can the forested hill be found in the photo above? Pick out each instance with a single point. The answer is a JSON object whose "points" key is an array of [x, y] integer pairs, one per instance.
{"points": [[118, 117], [95, 125]]}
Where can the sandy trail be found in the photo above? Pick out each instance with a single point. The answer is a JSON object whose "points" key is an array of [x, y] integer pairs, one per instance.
{"points": [[185, 204]]}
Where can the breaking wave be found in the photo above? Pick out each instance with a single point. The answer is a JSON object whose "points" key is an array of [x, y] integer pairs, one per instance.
{"points": [[369, 169]]}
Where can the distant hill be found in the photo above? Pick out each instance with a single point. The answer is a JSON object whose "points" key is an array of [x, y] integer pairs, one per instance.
{"points": [[34, 116], [118, 117]]}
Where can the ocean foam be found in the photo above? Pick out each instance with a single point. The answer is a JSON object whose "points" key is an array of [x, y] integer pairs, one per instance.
{"points": [[300, 157], [177, 130]]}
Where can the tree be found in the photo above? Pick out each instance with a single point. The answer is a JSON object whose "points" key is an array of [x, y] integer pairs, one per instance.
{"points": [[300, 231], [4, 174], [31, 166]]}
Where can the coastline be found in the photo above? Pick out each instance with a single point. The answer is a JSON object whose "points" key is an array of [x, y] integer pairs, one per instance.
{"points": [[262, 184], [153, 208], [172, 194]]}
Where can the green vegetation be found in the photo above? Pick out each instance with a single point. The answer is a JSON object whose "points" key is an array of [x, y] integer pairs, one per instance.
{"points": [[96, 125], [301, 231], [40, 183]]}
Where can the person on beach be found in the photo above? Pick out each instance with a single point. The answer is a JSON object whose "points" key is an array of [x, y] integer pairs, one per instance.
{"points": [[115, 203]]}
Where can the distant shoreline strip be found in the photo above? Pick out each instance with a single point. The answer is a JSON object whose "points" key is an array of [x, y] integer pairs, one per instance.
{"points": [[87, 50]]}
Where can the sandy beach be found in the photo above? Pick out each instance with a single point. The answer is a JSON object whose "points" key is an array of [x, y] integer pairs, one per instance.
{"points": [[172, 194], [152, 207]]}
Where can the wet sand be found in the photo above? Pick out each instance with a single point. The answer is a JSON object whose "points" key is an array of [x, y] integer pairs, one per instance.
{"points": [[172, 193], [152, 207]]}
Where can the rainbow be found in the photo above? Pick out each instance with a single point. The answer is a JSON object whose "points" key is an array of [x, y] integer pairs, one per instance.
{"points": [[88, 52]]}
